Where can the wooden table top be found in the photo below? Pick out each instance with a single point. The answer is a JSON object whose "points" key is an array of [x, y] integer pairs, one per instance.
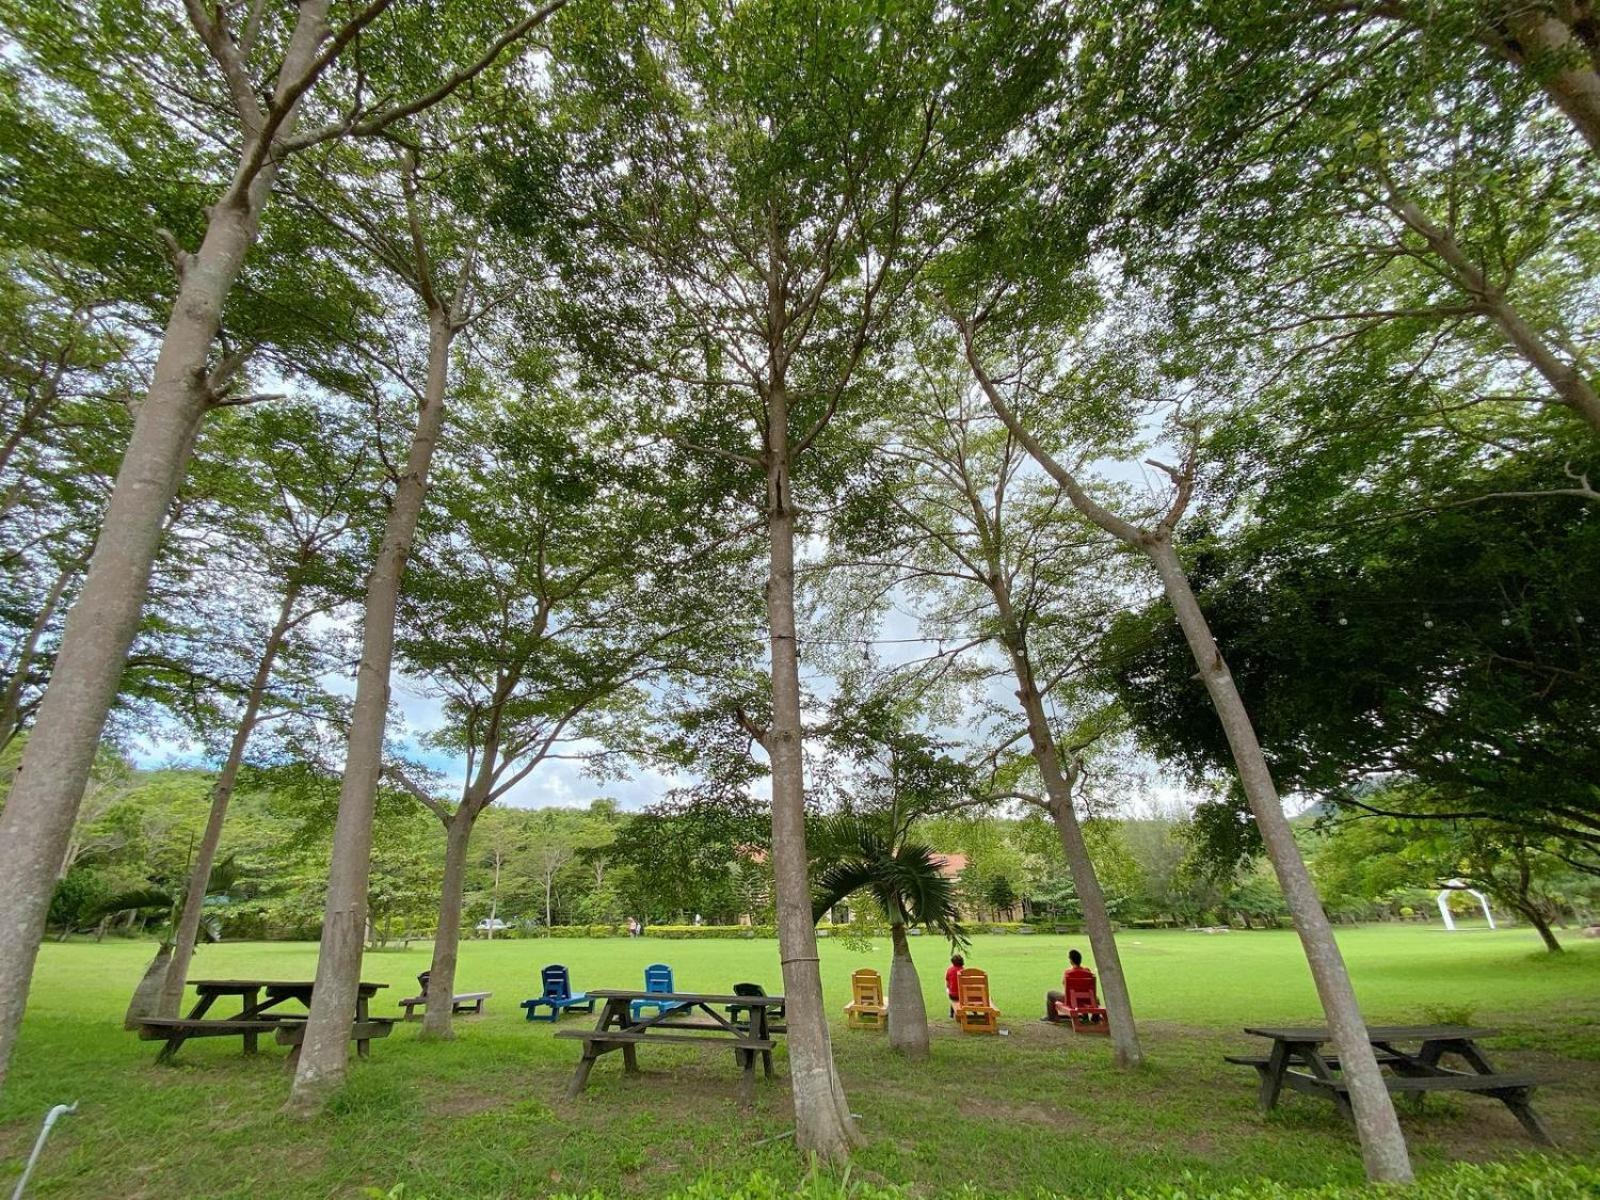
{"points": [[1377, 1033], [688, 997], [224, 986]]}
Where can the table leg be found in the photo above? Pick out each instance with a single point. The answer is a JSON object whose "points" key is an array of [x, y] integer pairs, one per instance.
{"points": [[580, 1078], [747, 1079], [630, 1059], [1272, 1077], [1311, 1054], [1518, 1101], [251, 997], [759, 1028]]}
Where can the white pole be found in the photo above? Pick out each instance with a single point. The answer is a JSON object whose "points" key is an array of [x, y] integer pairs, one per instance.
{"points": [[50, 1118], [1483, 900], [1444, 911]]}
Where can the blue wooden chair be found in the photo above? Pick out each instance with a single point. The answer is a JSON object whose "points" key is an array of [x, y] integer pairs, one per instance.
{"points": [[558, 995], [657, 978]]}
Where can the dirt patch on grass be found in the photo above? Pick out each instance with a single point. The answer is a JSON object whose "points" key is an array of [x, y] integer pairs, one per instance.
{"points": [[1035, 1113], [463, 1103]]}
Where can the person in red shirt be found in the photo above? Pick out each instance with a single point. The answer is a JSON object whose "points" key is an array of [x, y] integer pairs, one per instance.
{"points": [[952, 981], [1076, 978]]}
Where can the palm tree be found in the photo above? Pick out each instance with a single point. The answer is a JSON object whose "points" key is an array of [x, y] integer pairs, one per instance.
{"points": [[871, 854]]}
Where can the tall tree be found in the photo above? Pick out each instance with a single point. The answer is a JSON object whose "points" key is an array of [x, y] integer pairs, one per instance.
{"points": [[264, 84], [430, 252], [560, 572], [759, 180], [996, 565], [986, 328], [312, 471]]}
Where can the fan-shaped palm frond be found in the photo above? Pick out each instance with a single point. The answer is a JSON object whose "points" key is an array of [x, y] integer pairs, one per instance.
{"points": [[142, 899], [905, 881]]}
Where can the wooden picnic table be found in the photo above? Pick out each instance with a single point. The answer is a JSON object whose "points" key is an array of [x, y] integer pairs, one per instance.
{"points": [[618, 1029], [260, 998], [1414, 1072]]}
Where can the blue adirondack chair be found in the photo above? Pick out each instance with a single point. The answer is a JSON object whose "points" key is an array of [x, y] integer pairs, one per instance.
{"points": [[558, 995], [657, 978]]}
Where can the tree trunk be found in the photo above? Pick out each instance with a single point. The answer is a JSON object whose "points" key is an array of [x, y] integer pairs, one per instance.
{"points": [[1565, 379], [822, 1117], [1548, 49], [221, 793], [1524, 901], [1538, 921], [1125, 1048], [38, 817], [436, 1018], [147, 996], [324, 1055], [44, 799], [908, 1014], [11, 699], [1383, 1146]]}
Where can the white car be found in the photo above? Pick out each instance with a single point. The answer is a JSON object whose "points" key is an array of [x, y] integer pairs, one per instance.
{"points": [[493, 925]]}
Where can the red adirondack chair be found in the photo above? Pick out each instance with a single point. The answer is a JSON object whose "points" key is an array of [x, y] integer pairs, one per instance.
{"points": [[1082, 1008]]}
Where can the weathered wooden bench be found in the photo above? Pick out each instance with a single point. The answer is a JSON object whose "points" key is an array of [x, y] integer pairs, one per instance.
{"points": [[175, 1031], [596, 1043], [618, 1029], [292, 1032], [1263, 1064], [1414, 1073], [462, 1002]]}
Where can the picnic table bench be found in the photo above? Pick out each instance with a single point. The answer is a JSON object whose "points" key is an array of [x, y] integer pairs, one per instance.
{"points": [[618, 1029], [461, 1002], [291, 1032], [260, 998], [1413, 1073]]}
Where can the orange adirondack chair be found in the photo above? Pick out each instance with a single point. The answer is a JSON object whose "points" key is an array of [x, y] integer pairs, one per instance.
{"points": [[974, 1013], [866, 1009], [1082, 1008]]}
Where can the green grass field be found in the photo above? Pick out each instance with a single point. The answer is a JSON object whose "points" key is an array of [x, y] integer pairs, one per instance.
{"points": [[1039, 1108]]}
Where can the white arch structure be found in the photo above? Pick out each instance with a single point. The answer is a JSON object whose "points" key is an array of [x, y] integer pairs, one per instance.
{"points": [[1456, 885]]}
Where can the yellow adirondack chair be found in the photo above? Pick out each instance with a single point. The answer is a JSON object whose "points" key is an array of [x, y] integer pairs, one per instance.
{"points": [[974, 1013], [866, 1009]]}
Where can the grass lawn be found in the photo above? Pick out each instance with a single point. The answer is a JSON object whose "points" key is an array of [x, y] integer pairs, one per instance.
{"points": [[1040, 1108]]}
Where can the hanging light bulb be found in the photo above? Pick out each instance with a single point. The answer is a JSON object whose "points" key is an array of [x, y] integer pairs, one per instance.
{"points": [[1427, 621], [1344, 620], [1505, 621]]}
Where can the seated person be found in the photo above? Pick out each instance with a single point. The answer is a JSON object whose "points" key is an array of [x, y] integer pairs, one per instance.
{"points": [[1075, 978], [952, 981]]}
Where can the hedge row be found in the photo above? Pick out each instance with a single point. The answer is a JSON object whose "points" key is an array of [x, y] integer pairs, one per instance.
{"points": [[1530, 1178], [688, 932], [751, 931], [657, 931]]}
